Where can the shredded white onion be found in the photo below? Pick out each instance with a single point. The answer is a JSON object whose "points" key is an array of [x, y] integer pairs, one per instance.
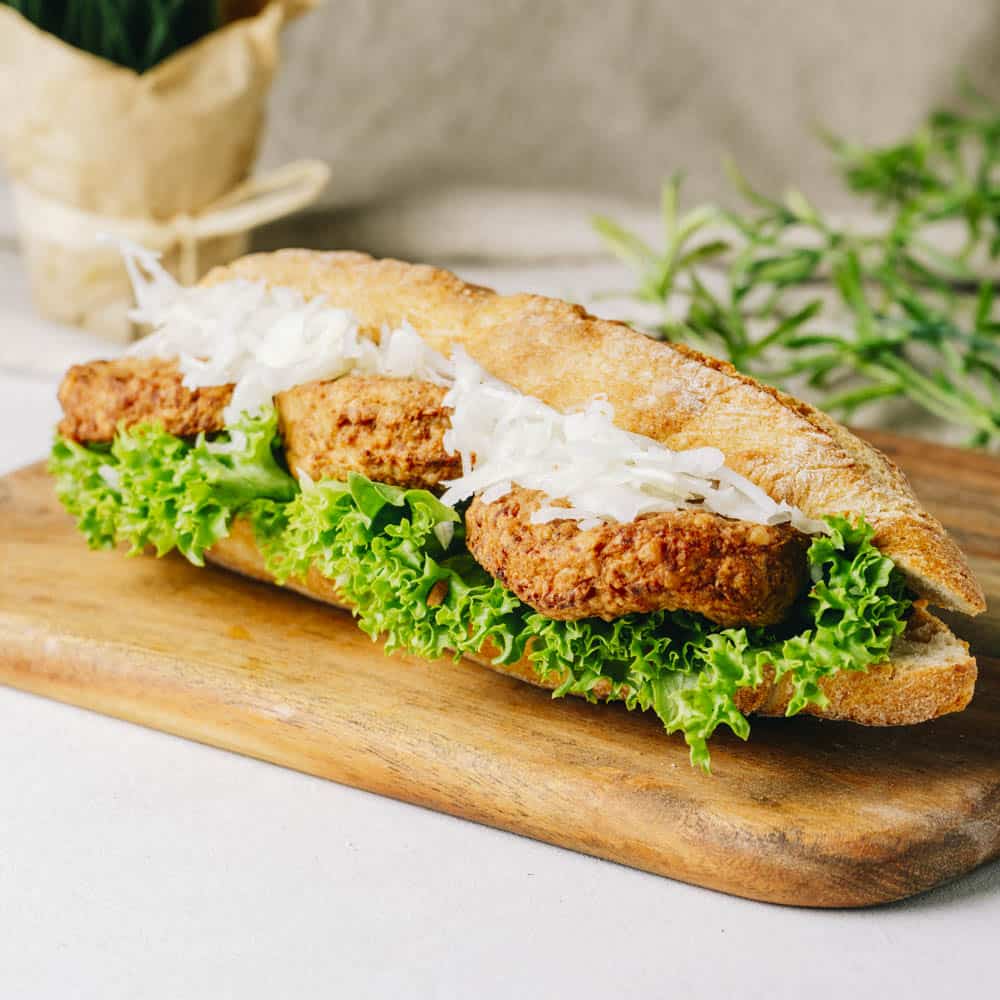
{"points": [[444, 532], [110, 475], [266, 340], [603, 472]]}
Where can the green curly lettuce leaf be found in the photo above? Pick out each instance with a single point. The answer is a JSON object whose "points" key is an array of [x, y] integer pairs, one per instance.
{"points": [[399, 557], [86, 487], [151, 489], [387, 550]]}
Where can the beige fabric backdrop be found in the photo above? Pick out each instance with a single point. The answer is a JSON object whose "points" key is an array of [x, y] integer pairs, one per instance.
{"points": [[441, 117]]}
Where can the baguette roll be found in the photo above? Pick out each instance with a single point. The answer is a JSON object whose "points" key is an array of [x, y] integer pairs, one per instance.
{"points": [[560, 354]]}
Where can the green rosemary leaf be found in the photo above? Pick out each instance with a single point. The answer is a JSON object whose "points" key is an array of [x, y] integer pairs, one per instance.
{"points": [[904, 317]]}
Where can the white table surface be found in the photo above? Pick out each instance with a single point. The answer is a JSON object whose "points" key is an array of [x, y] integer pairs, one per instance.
{"points": [[136, 864]]}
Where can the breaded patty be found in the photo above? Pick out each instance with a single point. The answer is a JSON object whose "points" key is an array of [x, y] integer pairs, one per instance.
{"points": [[95, 397], [390, 429], [732, 572]]}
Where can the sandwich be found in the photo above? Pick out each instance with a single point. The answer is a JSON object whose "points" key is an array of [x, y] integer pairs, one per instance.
{"points": [[511, 480]]}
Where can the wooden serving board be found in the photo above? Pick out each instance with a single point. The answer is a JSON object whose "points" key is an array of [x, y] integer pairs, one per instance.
{"points": [[811, 813]]}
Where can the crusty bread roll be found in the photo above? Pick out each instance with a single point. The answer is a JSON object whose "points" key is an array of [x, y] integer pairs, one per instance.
{"points": [[564, 356], [560, 354]]}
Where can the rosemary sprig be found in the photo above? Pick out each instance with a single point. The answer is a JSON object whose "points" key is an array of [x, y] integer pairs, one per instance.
{"points": [[948, 169], [901, 318], [133, 33]]}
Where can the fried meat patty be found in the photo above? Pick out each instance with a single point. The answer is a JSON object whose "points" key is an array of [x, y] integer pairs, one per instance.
{"points": [[732, 572], [95, 397], [389, 429]]}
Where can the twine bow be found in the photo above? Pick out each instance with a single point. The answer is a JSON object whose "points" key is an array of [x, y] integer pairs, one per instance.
{"points": [[259, 199]]}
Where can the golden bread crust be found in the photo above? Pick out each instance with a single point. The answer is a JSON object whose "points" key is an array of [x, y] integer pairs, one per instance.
{"points": [[930, 672]]}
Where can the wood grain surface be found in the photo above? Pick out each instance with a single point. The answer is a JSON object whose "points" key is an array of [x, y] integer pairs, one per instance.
{"points": [[807, 812]]}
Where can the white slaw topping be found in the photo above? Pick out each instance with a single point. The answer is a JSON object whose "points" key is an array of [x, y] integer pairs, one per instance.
{"points": [[601, 471], [266, 340], [263, 340]]}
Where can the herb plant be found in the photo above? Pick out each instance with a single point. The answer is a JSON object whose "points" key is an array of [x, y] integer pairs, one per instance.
{"points": [[905, 318], [133, 33]]}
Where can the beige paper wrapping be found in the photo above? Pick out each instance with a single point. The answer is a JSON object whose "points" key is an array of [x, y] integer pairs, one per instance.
{"points": [[91, 146]]}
